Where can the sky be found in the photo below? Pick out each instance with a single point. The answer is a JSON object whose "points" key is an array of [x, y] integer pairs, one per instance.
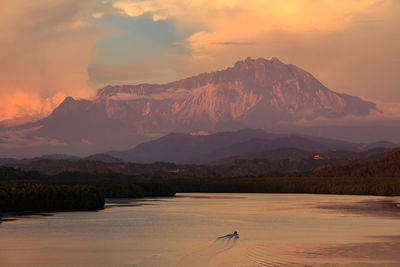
{"points": [[53, 49]]}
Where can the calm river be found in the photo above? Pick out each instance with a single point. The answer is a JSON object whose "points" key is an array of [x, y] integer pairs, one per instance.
{"points": [[274, 230]]}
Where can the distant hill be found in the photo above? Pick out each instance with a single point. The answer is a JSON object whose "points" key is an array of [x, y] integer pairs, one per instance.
{"points": [[235, 168], [244, 144], [52, 167], [103, 158], [59, 156]]}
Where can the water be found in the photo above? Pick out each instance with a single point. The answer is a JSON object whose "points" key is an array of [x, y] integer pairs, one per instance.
{"points": [[274, 229]]}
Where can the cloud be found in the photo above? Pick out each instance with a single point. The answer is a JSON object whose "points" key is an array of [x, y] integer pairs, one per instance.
{"points": [[169, 94], [104, 74], [200, 133], [233, 43], [252, 21], [86, 142], [335, 40], [386, 113], [389, 110], [12, 139], [45, 47], [136, 9], [249, 18], [27, 105], [97, 15]]}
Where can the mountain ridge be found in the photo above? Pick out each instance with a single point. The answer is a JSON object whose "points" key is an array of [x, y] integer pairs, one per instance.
{"points": [[182, 148], [254, 93]]}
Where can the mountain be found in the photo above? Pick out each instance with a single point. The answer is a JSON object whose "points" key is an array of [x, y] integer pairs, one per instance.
{"points": [[180, 147], [254, 93], [103, 158], [59, 156], [220, 147], [251, 92], [328, 166]]}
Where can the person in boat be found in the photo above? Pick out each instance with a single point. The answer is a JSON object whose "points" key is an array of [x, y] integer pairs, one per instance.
{"points": [[229, 236]]}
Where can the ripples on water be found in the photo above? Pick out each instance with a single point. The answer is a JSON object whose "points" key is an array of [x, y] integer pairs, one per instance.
{"points": [[203, 256], [188, 230]]}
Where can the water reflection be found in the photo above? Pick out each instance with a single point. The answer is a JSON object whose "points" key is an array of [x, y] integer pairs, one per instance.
{"points": [[202, 257], [191, 230]]}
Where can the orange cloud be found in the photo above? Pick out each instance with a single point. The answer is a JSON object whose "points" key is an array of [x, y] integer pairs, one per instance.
{"points": [[351, 46], [255, 21], [27, 105], [45, 48], [143, 71]]}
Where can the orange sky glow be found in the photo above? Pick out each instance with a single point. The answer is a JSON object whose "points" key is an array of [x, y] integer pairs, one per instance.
{"points": [[52, 49]]}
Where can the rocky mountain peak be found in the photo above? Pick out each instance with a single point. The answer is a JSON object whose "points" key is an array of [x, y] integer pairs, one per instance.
{"points": [[249, 89], [254, 93], [259, 69], [249, 62]]}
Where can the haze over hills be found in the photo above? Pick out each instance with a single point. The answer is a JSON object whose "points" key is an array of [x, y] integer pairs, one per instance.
{"points": [[244, 144], [271, 162], [242, 152], [254, 93]]}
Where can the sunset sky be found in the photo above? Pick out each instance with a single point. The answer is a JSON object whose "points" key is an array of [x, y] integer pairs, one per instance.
{"points": [[51, 49]]}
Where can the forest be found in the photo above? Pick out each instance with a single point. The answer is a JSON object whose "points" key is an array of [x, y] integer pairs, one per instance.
{"points": [[385, 186], [44, 197], [31, 190]]}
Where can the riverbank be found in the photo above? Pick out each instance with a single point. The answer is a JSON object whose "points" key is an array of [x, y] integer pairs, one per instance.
{"points": [[53, 196], [86, 191]]}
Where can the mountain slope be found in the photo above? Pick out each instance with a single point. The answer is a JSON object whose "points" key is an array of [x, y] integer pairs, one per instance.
{"points": [[185, 148], [254, 93]]}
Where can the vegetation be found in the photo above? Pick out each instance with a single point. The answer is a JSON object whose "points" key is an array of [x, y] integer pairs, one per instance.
{"points": [[31, 190], [234, 168], [33, 197], [386, 166], [389, 186], [13, 174], [133, 188]]}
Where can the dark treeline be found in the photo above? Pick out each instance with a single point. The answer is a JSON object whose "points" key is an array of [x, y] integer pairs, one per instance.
{"points": [[21, 190], [132, 188], [31, 191], [340, 163], [34, 197], [13, 174], [316, 185], [115, 185], [385, 166]]}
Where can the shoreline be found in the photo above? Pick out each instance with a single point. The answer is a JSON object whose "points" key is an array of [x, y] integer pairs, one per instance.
{"points": [[388, 207]]}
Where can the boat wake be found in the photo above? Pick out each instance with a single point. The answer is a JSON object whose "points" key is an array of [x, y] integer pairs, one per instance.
{"points": [[203, 256], [247, 254], [260, 256]]}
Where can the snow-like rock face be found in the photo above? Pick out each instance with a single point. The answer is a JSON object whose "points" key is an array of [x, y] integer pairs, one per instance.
{"points": [[253, 92]]}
